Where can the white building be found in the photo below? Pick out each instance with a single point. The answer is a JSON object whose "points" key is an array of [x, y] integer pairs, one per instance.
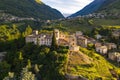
{"points": [[46, 39], [82, 41], [102, 49]]}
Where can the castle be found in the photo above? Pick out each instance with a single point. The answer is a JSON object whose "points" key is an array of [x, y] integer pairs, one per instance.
{"points": [[46, 39]]}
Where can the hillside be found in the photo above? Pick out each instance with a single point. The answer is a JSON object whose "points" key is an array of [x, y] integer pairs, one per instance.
{"points": [[29, 8], [91, 66], [97, 6], [112, 8], [80, 24]]}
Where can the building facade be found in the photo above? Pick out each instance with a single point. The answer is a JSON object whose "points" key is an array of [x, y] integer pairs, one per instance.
{"points": [[46, 39]]}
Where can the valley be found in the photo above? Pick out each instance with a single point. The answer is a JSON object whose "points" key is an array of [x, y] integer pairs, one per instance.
{"points": [[38, 43]]}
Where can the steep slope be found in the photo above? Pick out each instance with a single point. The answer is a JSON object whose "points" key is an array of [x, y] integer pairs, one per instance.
{"points": [[98, 67], [95, 6], [29, 8], [112, 8]]}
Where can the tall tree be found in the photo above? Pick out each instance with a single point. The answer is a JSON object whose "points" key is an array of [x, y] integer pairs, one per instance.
{"points": [[54, 44], [20, 56], [28, 30], [29, 64]]}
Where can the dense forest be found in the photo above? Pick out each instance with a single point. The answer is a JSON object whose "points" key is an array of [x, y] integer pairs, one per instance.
{"points": [[26, 59]]}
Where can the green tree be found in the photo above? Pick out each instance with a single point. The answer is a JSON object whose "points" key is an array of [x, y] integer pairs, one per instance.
{"points": [[20, 56], [36, 69], [28, 30], [29, 64], [27, 75], [54, 44], [4, 69], [46, 50], [10, 76]]}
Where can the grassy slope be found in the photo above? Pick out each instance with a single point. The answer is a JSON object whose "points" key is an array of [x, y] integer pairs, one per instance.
{"points": [[108, 22], [99, 66], [72, 25]]}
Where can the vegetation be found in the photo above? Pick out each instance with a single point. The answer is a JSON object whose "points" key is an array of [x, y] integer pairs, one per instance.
{"points": [[36, 60], [40, 61], [54, 44], [107, 31], [29, 8], [98, 68], [106, 7], [86, 25]]}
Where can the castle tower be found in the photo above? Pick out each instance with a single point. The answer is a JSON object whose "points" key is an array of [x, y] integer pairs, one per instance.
{"points": [[72, 40]]}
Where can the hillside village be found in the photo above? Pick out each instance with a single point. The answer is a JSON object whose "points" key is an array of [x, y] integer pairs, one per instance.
{"points": [[76, 40]]}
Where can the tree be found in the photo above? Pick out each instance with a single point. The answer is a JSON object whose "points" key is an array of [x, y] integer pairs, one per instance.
{"points": [[46, 50], [28, 31], [29, 64], [54, 44], [36, 68], [10, 76], [20, 56], [4, 69], [27, 75]]}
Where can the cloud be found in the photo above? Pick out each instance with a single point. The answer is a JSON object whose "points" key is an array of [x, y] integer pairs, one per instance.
{"points": [[67, 6]]}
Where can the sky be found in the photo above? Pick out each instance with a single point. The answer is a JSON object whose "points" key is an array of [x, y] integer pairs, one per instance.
{"points": [[67, 7]]}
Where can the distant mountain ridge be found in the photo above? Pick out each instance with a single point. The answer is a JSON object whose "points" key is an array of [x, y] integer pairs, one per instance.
{"points": [[29, 8], [95, 6]]}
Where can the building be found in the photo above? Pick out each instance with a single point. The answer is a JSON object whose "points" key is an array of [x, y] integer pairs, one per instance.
{"points": [[78, 33], [44, 39], [97, 44], [111, 46], [62, 39], [63, 42], [31, 38], [102, 49], [82, 41], [115, 56], [116, 33], [73, 43]]}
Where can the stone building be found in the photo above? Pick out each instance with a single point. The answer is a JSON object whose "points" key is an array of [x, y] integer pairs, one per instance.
{"points": [[81, 41], [44, 39], [115, 56], [31, 38], [111, 46], [73, 43], [62, 39], [102, 49]]}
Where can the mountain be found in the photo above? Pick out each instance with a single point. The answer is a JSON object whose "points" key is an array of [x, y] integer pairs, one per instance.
{"points": [[96, 6], [112, 7], [29, 8]]}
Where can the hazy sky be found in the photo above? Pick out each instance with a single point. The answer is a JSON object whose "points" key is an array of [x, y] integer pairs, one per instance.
{"points": [[67, 6]]}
